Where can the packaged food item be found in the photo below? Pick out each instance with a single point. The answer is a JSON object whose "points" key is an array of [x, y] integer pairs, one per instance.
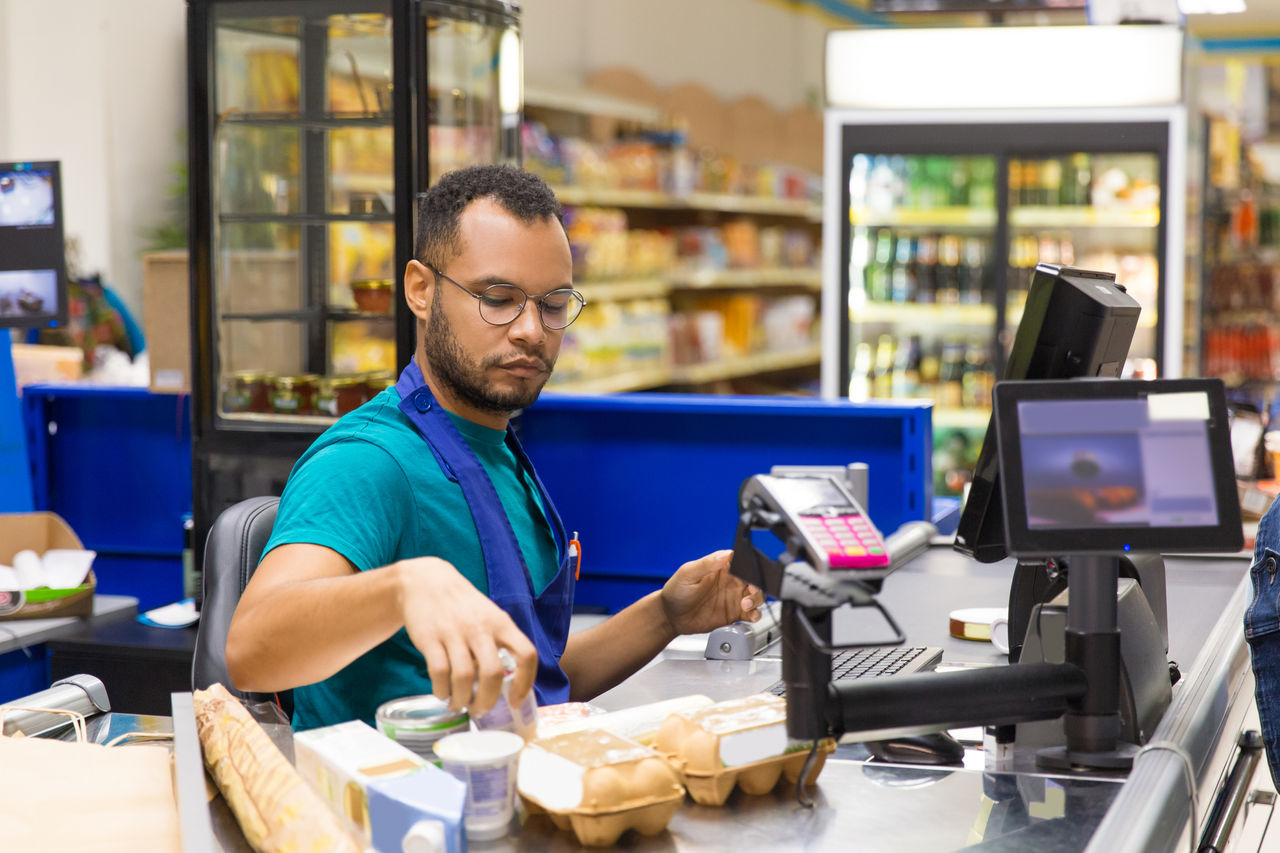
{"points": [[248, 391], [276, 809], [599, 784], [417, 722], [521, 719], [737, 742], [639, 724], [486, 762], [384, 794]]}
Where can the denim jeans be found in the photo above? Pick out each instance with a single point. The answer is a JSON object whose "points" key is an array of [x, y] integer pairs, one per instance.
{"points": [[1262, 630]]}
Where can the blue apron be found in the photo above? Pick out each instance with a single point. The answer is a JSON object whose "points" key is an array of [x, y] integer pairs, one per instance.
{"points": [[545, 619]]}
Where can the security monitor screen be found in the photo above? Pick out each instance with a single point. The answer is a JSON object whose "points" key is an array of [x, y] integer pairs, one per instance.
{"points": [[1128, 463], [1104, 466], [26, 197]]}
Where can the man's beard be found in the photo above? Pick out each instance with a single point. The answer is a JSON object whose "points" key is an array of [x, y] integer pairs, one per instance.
{"points": [[465, 379]]}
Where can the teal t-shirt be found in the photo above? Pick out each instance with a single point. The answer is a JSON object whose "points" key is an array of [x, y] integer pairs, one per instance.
{"points": [[370, 489]]}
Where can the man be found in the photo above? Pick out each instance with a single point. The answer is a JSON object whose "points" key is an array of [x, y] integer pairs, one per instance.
{"points": [[415, 532]]}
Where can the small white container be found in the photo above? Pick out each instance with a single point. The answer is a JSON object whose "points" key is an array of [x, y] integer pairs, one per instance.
{"points": [[486, 761]]}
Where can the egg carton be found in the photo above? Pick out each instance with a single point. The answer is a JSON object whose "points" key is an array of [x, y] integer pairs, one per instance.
{"points": [[599, 785], [739, 742]]}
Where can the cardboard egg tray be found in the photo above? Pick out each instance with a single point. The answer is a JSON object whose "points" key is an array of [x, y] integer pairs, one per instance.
{"points": [[740, 742], [599, 785]]}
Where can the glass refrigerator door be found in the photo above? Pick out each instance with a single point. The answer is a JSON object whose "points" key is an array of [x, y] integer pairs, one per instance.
{"points": [[921, 299], [303, 194], [1092, 210]]}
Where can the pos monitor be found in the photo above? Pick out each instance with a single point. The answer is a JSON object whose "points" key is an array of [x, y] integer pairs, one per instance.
{"points": [[1116, 467], [1076, 323], [32, 255]]}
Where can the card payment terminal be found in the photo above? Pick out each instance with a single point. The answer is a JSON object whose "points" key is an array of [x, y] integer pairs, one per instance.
{"points": [[836, 533]]}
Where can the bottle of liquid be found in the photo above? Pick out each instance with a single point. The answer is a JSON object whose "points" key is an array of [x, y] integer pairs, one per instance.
{"points": [[948, 282], [926, 269], [860, 375], [880, 269], [882, 385], [903, 284]]}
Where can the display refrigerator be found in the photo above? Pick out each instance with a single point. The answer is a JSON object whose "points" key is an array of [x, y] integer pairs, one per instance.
{"points": [[934, 221], [312, 127]]}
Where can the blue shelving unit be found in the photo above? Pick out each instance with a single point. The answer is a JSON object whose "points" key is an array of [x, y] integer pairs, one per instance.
{"points": [[651, 480]]}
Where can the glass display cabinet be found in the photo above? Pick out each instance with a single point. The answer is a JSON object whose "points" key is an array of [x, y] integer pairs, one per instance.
{"points": [[313, 126]]}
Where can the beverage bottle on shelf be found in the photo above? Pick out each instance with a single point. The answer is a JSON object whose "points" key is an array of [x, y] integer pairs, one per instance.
{"points": [[1078, 187], [961, 177], [914, 192], [951, 374], [903, 283], [898, 167], [860, 375], [898, 385], [930, 364], [973, 272], [859, 181], [975, 390], [926, 269], [882, 384], [881, 267], [948, 282], [982, 189], [861, 260], [880, 184], [1051, 181], [1015, 182], [1030, 182]]}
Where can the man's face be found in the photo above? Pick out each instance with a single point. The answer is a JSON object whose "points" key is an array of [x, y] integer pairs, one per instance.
{"points": [[485, 371]]}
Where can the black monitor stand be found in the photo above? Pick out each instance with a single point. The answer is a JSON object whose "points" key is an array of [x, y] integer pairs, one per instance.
{"points": [[1092, 721]]}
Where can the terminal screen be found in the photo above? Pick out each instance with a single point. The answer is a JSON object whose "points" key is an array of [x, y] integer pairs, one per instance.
{"points": [[1118, 462]]}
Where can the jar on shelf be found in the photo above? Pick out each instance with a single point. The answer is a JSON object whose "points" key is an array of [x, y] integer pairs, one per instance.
{"points": [[376, 381], [373, 295], [247, 391], [294, 395], [348, 393]]}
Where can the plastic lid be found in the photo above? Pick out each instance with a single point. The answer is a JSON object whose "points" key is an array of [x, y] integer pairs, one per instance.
{"points": [[425, 836]]}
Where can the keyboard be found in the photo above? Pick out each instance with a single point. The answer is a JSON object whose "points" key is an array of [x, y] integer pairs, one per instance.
{"points": [[872, 661]]}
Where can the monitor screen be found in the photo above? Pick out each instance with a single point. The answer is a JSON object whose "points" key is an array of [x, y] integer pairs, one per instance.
{"points": [[1113, 467], [32, 255], [1077, 323]]}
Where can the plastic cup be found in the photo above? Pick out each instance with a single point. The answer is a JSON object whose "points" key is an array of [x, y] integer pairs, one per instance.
{"points": [[486, 761]]}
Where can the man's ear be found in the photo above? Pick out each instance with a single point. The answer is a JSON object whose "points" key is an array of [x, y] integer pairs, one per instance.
{"points": [[418, 281]]}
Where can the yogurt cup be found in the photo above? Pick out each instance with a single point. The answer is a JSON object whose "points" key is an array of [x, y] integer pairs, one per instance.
{"points": [[486, 761]]}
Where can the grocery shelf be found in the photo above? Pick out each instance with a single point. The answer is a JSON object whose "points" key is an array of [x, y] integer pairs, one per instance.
{"points": [[928, 314], [723, 203], [971, 418], [626, 380], [804, 277], [623, 289], [1083, 217], [929, 217], [730, 368]]}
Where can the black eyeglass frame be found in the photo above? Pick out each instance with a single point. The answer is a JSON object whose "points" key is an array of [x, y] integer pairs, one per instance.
{"points": [[540, 300]]}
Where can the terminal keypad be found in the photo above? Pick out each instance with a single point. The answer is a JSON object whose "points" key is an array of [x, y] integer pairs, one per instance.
{"points": [[849, 541]]}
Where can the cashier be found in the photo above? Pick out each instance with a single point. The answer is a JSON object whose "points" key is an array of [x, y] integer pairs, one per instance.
{"points": [[414, 538]]}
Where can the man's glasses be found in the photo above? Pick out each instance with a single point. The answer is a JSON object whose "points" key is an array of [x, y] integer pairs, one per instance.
{"points": [[501, 304]]}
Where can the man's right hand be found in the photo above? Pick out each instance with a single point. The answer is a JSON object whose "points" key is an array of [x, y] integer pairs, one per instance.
{"points": [[459, 631]]}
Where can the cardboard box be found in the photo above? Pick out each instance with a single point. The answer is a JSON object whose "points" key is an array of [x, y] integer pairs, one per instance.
{"points": [[40, 532], [33, 363], [166, 320]]}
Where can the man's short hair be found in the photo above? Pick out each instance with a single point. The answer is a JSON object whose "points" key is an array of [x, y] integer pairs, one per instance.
{"points": [[525, 196]]}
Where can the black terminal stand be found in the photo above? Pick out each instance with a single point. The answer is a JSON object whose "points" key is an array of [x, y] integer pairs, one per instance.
{"points": [[1092, 723], [873, 707]]}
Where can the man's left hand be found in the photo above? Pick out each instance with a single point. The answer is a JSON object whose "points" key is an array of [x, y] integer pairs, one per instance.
{"points": [[702, 596]]}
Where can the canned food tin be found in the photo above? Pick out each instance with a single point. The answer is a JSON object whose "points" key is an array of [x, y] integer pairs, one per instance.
{"points": [[417, 722]]}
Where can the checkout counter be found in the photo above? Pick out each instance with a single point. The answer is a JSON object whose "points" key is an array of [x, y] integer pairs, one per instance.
{"points": [[867, 805]]}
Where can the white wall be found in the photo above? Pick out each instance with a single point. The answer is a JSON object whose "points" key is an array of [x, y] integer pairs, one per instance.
{"points": [[100, 87], [733, 47]]}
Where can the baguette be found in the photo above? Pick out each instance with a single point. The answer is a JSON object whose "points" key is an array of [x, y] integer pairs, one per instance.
{"points": [[277, 811]]}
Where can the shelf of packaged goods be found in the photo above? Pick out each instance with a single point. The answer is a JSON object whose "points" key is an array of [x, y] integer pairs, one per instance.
{"points": [[302, 218], [970, 418], [335, 314], [719, 202], [639, 379], [363, 182], [1083, 217], [925, 314], [709, 279], [277, 419], [731, 368], [926, 217], [324, 121], [623, 290]]}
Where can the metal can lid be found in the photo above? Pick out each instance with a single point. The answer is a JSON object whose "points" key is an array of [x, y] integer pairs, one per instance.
{"points": [[372, 284], [419, 713]]}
